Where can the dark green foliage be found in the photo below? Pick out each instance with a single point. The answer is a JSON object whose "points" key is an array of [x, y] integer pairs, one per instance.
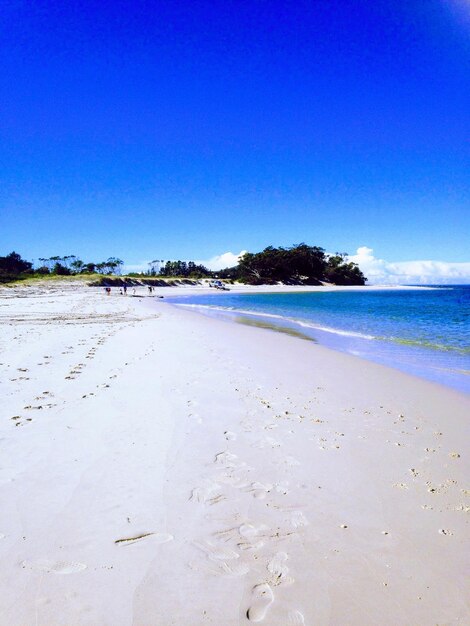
{"points": [[111, 266], [300, 264], [13, 265], [184, 269], [340, 272], [230, 273], [77, 266], [61, 270]]}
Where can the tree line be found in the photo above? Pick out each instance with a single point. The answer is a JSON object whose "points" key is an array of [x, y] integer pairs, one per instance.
{"points": [[70, 265], [180, 269], [298, 264], [12, 266]]}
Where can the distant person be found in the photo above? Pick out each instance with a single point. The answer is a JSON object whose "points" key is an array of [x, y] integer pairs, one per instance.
{"points": [[133, 292], [108, 290], [121, 292], [125, 289], [150, 289]]}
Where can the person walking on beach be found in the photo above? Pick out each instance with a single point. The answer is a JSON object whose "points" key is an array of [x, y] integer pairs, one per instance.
{"points": [[125, 289]]}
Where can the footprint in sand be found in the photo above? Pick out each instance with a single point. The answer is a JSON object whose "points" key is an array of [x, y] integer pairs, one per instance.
{"points": [[246, 536], [282, 487], [217, 553], [298, 519], [235, 480], [250, 545], [226, 458], [249, 535], [259, 491], [234, 569], [263, 597], [250, 530], [54, 567], [295, 618], [206, 493], [278, 569]]}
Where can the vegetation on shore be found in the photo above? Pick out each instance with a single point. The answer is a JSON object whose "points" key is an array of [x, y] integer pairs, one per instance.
{"points": [[299, 264], [13, 267]]}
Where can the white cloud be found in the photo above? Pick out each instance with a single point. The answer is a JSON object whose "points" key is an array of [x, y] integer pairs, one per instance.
{"points": [[379, 271], [217, 262], [221, 261]]}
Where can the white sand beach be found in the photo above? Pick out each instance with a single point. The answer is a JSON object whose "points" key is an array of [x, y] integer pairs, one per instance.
{"points": [[161, 468]]}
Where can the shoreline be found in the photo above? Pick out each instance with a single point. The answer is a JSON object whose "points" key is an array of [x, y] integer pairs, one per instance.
{"points": [[423, 361], [76, 282], [178, 466]]}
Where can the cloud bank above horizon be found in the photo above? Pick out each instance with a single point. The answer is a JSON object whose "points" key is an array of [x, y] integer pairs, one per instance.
{"points": [[378, 271]]}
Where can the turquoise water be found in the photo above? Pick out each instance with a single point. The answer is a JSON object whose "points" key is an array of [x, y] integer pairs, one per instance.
{"points": [[425, 332]]}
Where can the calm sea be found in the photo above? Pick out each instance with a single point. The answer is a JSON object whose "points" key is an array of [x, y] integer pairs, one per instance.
{"points": [[425, 332]]}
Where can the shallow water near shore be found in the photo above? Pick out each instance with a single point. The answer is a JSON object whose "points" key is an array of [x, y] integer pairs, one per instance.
{"points": [[425, 332]]}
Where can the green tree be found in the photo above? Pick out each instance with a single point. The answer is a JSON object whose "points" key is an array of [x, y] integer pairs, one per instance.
{"points": [[12, 264], [61, 270], [299, 263], [341, 272], [77, 265]]}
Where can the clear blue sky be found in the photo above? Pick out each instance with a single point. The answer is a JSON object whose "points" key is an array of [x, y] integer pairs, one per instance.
{"points": [[184, 129]]}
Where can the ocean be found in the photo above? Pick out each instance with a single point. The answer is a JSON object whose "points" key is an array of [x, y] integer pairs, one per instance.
{"points": [[425, 332]]}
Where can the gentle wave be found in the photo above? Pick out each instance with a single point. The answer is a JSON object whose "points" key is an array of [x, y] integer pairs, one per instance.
{"points": [[328, 329]]}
